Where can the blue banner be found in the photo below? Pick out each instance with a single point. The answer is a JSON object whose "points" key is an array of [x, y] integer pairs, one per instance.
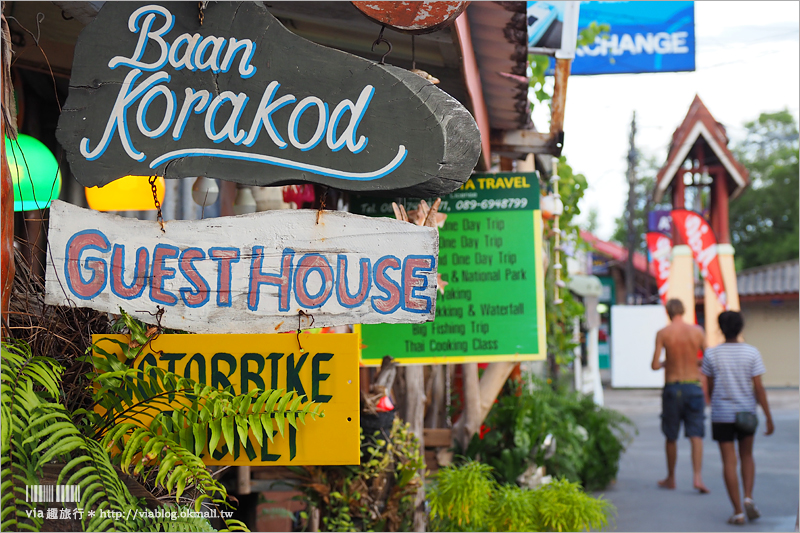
{"points": [[643, 37]]}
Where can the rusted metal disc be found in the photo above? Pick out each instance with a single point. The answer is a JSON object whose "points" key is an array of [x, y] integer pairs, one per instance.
{"points": [[412, 17]]}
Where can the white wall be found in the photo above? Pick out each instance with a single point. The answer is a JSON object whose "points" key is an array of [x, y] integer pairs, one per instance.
{"points": [[633, 341]]}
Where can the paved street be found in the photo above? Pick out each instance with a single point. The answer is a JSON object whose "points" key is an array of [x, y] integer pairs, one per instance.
{"points": [[642, 506]]}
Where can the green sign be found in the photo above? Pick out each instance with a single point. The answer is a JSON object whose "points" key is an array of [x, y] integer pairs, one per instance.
{"points": [[490, 258]]}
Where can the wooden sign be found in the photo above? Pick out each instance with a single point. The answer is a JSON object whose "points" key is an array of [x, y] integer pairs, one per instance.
{"points": [[260, 273], [243, 99], [325, 369], [492, 303]]}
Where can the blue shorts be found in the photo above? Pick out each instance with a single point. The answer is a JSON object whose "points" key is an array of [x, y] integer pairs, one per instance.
{"points": [[682, 402]]}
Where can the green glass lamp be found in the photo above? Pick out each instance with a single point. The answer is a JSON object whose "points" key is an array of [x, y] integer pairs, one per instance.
{"points": [[33, 171]]}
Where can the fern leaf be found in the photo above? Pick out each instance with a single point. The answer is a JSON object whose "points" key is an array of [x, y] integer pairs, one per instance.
{"points": [[272, 399], [227, 430], [279, 421], [255, 424], [216, 433], [284, 402], [266, 423], [199, 432], [242, 428]]}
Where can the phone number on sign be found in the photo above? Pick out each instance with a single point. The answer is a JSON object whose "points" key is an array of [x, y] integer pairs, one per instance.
{"points": [[505, 203]]}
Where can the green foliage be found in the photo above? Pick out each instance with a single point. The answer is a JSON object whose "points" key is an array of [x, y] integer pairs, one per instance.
{"points": [[133, 425], [377, 495], [539, 64], [467, 498], [559, 318], [763, 221], [142, 428], [563, 506], [35, 429], [462, 496], [589, 439], [646, 171]]}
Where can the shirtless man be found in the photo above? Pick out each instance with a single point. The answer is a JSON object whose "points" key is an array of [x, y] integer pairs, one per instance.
{"points": [[683, 398]]}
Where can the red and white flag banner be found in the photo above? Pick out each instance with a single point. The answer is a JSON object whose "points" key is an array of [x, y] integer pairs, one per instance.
{"points": [[694, 229], [660, 247]]}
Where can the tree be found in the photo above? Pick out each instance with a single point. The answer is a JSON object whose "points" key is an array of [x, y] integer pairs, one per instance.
{"points": [[591, 220], [646, 171], [764, 220]]}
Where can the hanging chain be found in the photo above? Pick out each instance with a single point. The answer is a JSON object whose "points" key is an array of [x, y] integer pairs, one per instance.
{"points": [[200, 16], [153, 188]]}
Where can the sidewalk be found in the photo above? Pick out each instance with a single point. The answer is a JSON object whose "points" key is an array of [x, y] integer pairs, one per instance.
{"points": [[642, 506]]}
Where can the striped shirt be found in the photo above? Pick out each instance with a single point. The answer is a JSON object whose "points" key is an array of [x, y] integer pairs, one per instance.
{"points": [[733, 365]]}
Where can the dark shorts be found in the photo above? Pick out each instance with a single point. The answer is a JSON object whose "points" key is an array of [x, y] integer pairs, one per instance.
{"points": [[682, 402], [727, 432]]}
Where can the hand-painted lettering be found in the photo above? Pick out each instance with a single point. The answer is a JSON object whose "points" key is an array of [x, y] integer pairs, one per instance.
{"points": [[199, 296], [161, 253], [153, 24], [342, 291], [317, 377], [274, 357], [293, 373], [219, 379], [248, 375], [401, 284], [200, 362], [137, 285], [258, 277], [81, 241], [225, 257], [307, 265], [389, 303]]}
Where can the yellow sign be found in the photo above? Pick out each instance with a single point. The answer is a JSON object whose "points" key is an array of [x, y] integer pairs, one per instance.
{"points": [[325, 369]]}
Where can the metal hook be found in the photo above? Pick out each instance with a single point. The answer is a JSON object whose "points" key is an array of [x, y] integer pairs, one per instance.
{"points": [[380, 40]]}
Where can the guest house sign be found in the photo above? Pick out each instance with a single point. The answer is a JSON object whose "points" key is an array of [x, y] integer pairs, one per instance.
{"points": [[260, 273], [243, 99]]}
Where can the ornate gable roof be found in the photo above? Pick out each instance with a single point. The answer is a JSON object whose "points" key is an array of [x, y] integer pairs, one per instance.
{"points": [[700, 123]]}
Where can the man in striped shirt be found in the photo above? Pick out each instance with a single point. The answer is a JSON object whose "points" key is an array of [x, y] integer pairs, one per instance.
{"points": [[734, 372], [683, 399]]}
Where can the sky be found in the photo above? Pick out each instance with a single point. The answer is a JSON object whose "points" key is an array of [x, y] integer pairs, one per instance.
{"points": [[747, 62]]}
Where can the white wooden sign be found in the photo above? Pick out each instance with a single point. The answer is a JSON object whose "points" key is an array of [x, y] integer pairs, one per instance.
{"points": [[259, 273]]}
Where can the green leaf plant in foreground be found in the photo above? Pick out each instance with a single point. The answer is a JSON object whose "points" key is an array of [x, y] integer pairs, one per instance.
{"points": [[148, 423], [467, 498]]}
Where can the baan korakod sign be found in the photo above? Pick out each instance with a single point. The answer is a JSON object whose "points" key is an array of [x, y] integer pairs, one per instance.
{"points": [[241, 98], [265, 272], [323, 368]]}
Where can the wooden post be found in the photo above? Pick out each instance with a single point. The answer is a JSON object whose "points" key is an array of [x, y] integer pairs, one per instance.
{"points": [[490, 385], [243, 480], [6, 187], [434, 418], [678, 202], [472, 403], [492, 381], [415, 415], [7, 229]]}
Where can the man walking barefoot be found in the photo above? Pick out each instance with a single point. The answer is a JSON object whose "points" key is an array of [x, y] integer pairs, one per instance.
{"points": [[683, 399]]}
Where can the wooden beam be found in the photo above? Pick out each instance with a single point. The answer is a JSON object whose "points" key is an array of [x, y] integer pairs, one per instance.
{"points": [[243, 480], [472, 404], [435, 437], [472, 79], [415, 416]]}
